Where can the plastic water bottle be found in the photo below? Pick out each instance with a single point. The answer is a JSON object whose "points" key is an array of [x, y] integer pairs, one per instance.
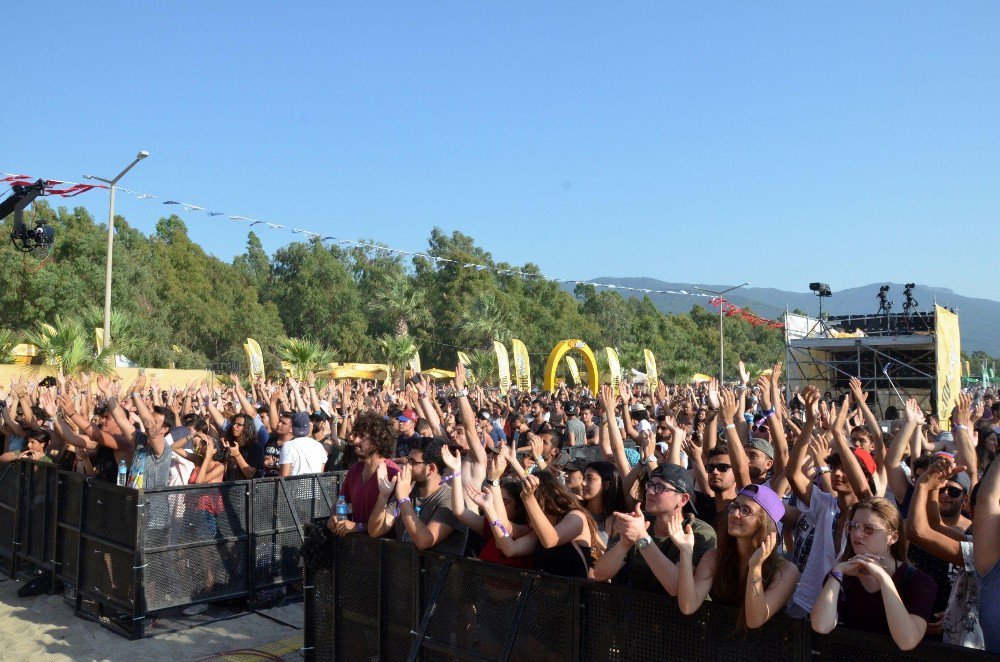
{"points": [[343, 509], [122, 473]]}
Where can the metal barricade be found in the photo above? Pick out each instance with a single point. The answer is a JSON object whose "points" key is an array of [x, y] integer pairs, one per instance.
{"points": [[380, 599]]}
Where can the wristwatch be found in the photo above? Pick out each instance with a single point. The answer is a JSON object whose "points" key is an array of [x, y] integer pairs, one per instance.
{"points": [[463, 393], [651, 458], [643, 543], [495, 483]]}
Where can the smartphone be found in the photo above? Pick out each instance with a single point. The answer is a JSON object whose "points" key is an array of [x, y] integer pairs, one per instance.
{"points": [[415, 379]]}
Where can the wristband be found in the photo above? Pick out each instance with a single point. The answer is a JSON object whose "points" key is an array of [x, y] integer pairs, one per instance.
{"points": [[839, 576], [822, 470], [136, 394], [400, 502], [960, 427], [450, 477], [731, 426], [503, 529]]}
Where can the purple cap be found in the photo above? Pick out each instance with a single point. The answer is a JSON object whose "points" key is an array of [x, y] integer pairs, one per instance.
{"points": [[767, 499]]}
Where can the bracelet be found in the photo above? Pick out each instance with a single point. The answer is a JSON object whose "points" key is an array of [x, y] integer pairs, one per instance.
{"points": [[400, 502], [960, 427], [822, 470], [503, 529], [450, 477], [839, 576], [731, 426]]}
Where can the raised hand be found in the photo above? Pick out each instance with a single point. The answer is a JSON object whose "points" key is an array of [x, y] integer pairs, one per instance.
{"points": [[482, 498], [631, 526], [404, 482], [459, 376], [761, 553], [913, 412], [451, 460], [744, 375], [680, 533], [765, 391], [729, 407], [496, 465], [385, 484], [713, 394], [529, 484]]}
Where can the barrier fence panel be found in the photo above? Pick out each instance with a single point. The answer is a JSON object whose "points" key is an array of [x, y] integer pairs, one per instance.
{"points": [[68, 520], [368, 601], [35, 512], [10, 481], [281, 509], [195, 544]]}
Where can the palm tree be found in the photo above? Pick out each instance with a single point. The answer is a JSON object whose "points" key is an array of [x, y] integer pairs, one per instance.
{"points": [[8, 340], [304, 356], [397, 352], [399, 303], [124, 327], [484, 366], [485, 320], [677, 372], [66, 344]]}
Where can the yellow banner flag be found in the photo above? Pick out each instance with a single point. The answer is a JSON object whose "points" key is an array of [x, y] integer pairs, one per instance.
{"points": [[99, 337], [522, 366], [255, 358], [949, 360], [651, 376], [464, 359], [415, 363], [503, 366], [574, 370], [614, 367]]}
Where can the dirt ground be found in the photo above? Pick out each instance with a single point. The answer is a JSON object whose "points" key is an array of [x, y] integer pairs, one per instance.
{"points": [[44, 627]]}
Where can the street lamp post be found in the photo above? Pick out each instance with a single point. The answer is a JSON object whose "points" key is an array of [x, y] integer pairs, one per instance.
{"points": [[112, 183], [722, 364]]}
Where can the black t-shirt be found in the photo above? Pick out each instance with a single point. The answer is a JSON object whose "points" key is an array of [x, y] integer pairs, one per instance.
{"points": [[253, 454], [707, 511], [105, 464]]}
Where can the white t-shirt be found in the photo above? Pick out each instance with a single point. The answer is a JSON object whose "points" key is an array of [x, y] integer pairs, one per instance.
{"points": [[305, 454], [822, 514]]}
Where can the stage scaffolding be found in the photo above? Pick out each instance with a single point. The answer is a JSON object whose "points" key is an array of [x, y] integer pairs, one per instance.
{"points": [[827, 353]]}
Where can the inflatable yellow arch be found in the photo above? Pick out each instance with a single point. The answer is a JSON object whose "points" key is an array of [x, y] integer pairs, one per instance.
{"points": [[560, 350]]}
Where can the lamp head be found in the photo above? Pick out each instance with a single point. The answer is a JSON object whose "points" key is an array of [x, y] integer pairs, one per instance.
{"points": [[141, 155]]}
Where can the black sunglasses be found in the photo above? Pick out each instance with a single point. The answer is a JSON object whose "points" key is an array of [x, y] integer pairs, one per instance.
{"points": [[952, 491], [721, 468]]}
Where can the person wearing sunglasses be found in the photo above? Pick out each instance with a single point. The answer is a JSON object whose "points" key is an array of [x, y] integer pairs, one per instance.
{"points": [[641, 553], [872, 588], [745, 569], [942, 484]]}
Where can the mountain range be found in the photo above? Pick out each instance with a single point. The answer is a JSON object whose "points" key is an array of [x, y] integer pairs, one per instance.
{"points": [[978, 319]]}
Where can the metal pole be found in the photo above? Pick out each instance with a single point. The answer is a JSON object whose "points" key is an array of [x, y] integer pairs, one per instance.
{"points": [[107, 270], [111, 239]]}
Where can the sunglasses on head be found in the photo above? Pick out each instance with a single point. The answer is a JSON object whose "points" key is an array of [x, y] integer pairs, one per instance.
{"points": [[952, 491], [720, 467]]}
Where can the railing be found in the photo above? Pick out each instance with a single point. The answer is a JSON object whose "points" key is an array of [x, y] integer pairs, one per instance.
{"points": [[370, 599], [123, 554]]}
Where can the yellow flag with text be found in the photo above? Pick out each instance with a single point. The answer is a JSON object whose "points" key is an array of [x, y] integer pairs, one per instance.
{"points": [[949, 360], [522, 366], [651, 376], [464, 359], [614, 366], [255, 358], [503, 366], [574, 370]]}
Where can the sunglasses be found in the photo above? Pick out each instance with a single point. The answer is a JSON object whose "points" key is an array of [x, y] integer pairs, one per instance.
{"points": [[866, 529], [660, 488], [952, 491], [721, 468]]}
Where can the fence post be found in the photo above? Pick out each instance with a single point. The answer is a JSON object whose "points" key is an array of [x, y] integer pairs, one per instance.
{"points": [[431, 605], [138, 573]]}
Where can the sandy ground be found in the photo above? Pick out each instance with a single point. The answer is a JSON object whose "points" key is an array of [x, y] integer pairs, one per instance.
{"points": [[44, 627]]}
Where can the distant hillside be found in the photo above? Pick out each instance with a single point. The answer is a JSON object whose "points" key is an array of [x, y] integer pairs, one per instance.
{"points": [[979, 318]]}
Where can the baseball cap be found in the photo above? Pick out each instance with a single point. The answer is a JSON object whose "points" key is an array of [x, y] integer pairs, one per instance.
{"points": [[300, 424], [574, 465], [572, 409], [679, 478], [407, 416], [767, 499], [484, 414], [866, 460], [762, 445]]}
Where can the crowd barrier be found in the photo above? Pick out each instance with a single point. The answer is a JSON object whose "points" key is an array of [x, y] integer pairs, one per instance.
{"points": [[370, 599], [122, 554]]}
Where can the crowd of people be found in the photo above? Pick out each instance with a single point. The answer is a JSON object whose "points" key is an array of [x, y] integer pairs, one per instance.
{"points": [[745, 494]]}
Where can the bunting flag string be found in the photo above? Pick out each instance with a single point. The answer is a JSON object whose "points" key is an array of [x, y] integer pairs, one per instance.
{"points": [[69, 190], [75, 189], [729, 309]]}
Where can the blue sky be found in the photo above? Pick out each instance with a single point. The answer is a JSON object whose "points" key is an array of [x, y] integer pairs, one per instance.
{"points": [[774, 143]]}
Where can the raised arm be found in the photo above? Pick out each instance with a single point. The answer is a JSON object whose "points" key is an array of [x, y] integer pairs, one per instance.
{"points": [[965, 449], [986, 521], [848, 460], [737, 454], [476, 448], [919, 529], [565, 530], [898, 482], [799, 482]]}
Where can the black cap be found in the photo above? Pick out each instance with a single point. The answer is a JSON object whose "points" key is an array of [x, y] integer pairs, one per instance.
{"points": [[572, 409], [574, 465], [677, 476]]}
